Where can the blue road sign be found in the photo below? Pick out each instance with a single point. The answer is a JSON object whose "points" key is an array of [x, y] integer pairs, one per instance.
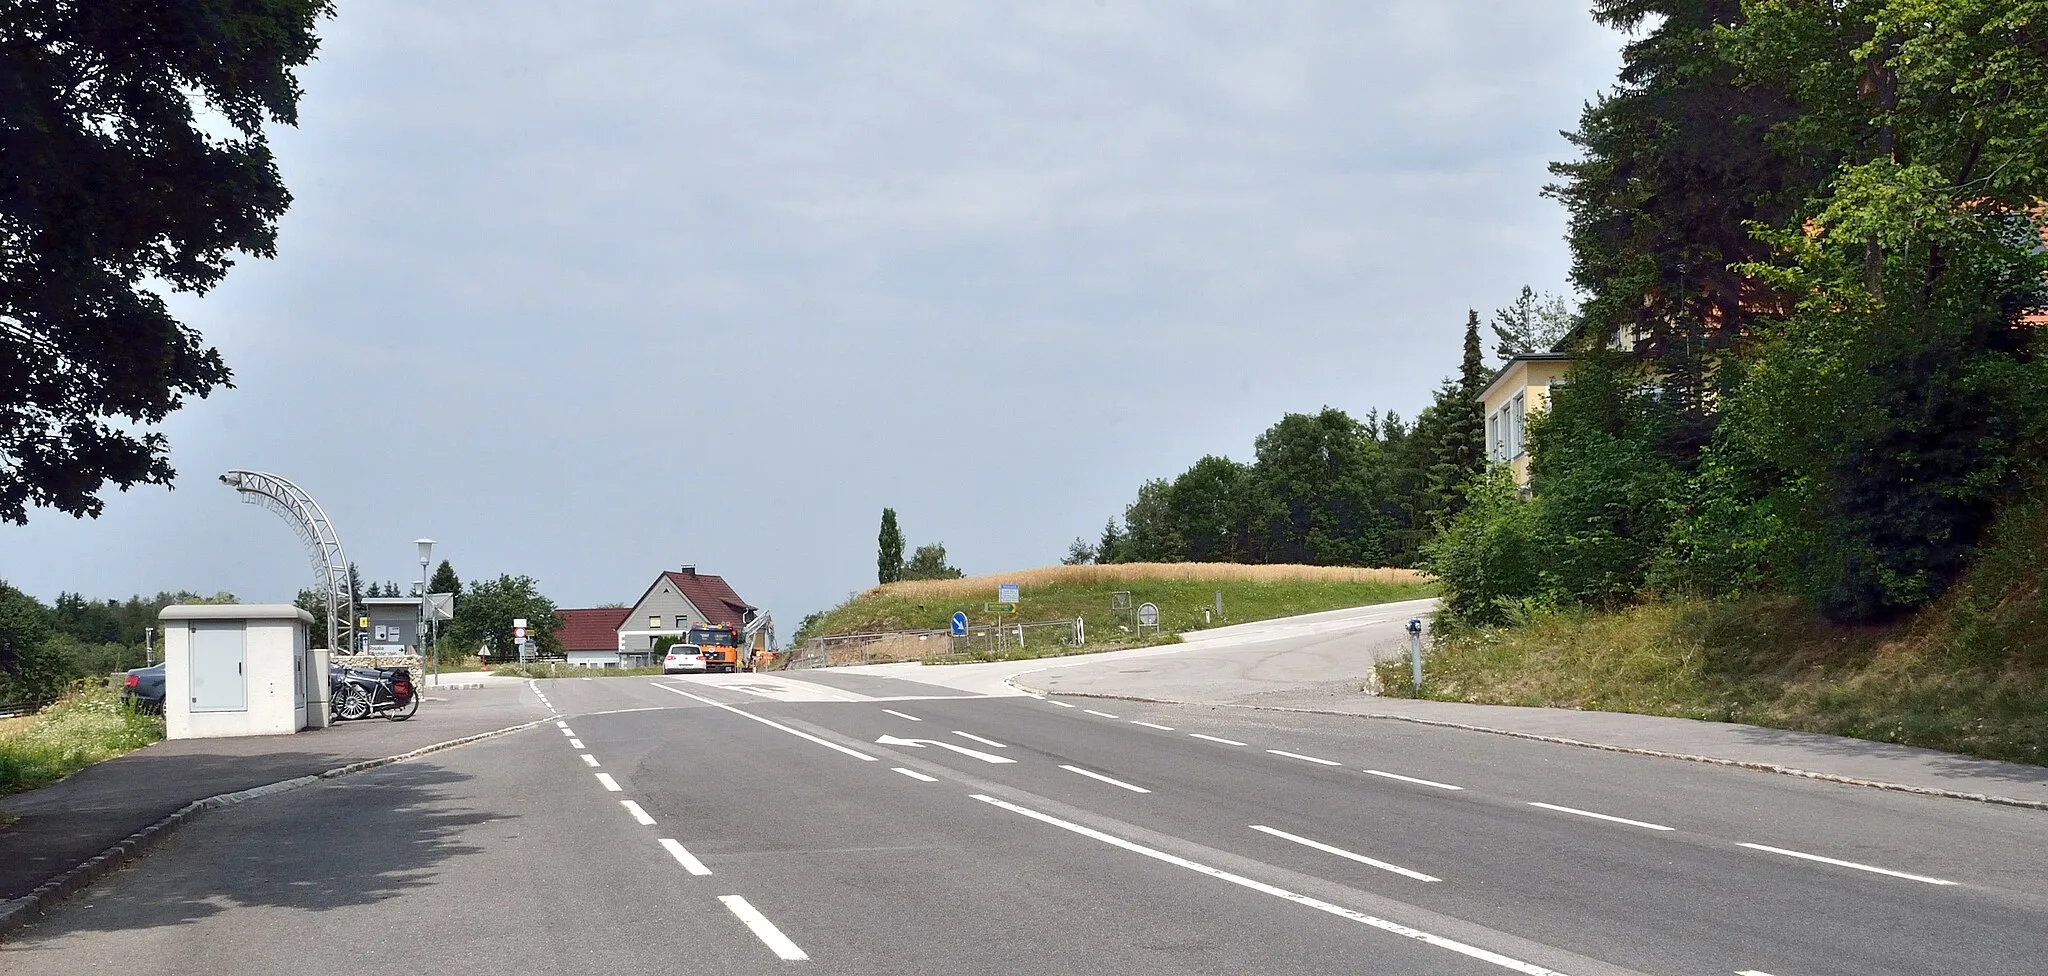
{"points": [[959, 623]]}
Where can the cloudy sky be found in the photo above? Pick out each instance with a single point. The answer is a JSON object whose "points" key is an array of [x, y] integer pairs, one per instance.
{"points": [[589, 290]]}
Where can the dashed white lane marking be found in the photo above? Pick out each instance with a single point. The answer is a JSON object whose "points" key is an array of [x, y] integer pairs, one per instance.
{"points": [[685, 858], [561, 725], [1411, 779], [1149, 725], [1427, 938], [1094, 712], [638, 814], [914, 774], [763, 929], [609, 783], [834, 746], [986, 742], [1059, 703], [1752, 972], [590, 760], [1215, 738], [575, 743], [565, 730], [1923, 879], [1599, 816], [590, 679], [1340, 852], [1296, 755], [1112, 782], [901, 715]]}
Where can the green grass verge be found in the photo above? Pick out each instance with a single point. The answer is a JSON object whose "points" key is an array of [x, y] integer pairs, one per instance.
{"points": [[89, 725], [543, 669], [1180, 602]]}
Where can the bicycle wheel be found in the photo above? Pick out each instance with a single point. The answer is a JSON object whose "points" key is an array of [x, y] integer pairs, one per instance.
{"points": [[354, 702], [399, 713]]}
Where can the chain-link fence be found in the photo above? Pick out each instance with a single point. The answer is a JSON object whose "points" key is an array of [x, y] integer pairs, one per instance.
{"points": [[984, 641]]}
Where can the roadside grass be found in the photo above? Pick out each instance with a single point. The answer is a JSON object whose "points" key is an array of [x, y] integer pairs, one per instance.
{"points": [[1182, 592], [1059, 650], [90, 724], [1968, 675]]}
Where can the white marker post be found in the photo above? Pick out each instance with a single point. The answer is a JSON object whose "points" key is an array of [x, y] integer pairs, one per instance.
{"points": [[1415, 651]]}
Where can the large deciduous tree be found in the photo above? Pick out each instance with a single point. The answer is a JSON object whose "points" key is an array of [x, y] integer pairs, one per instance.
{"points": [[135, 159], [484, 615]]}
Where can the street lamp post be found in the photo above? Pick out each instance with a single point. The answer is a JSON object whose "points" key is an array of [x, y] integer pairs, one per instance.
{"points": [[426, 612]]}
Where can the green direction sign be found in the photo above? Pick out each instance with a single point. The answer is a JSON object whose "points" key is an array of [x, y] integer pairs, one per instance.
{"points": [[999, 608]]}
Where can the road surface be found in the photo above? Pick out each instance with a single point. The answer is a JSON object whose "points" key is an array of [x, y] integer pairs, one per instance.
{"points": [[864, 825]]}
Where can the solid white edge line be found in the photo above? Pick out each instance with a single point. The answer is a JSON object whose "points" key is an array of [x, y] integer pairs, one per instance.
{"points": [[1059, 703], [638, 814], [684, 857], [763, 929], [575, 743], [1600, 816], [1112, 782], [1094, 712], [1340, 852], [1296, 755], [1427, 938], [986, 742], [1411, 779], [610, 783], [1214, 738], [1923, 879], [771, 723], [914, 774], [901, 715], [1149, 725], [590, 760]]}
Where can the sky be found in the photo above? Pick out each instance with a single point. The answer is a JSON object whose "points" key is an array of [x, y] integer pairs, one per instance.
{"points": [[586, 291]]}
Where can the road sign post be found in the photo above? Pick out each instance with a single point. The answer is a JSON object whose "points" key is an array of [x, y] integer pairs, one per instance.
{"points": [[959, 623], [1148, 616], [1415, 652]]}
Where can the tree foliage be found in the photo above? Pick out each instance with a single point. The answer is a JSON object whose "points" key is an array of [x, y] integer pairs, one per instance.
{"points": [[484, 615], [889, 549], [113, 188], [928, 562]]}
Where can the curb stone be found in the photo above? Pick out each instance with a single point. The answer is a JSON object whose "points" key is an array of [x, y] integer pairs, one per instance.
{"points": [[1764, 767], [22, 911]]}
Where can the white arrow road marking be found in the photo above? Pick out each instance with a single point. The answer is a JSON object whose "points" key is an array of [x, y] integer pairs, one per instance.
{"points": [[890, 740]]}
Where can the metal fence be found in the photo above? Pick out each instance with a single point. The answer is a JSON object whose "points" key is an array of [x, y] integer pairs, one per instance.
{"points": [[986, 640]]}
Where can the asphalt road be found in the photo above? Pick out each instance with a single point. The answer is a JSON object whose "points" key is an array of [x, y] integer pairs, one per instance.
{"points": [[879, 826]]}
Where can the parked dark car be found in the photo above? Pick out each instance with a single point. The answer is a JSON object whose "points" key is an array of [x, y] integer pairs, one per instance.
{"points": [[145, 688]]}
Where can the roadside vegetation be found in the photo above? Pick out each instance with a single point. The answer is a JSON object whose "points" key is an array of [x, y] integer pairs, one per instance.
{"points": [[557, 669], [1182, 592], [1804, 488], [87, 725]]}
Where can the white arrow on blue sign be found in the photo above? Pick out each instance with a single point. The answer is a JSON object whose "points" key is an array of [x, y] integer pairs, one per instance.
{"points": [[959, 623]]}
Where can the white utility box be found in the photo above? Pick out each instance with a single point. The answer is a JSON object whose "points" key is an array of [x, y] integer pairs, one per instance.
{"points": [[240, 670]]}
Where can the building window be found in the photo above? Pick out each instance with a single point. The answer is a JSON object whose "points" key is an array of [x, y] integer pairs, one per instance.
{"points": [[654, 621], [1493, 436], [1518, 426]]}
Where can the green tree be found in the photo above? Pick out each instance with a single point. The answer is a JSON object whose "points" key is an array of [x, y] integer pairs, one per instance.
{"points": [[1458, 442], [484, 615], [1531, 323], [889, 549], [114, 188], [1079, 553], [25, 672], [1111, 548], [445, 580], [929, 563], [1216, 507], [1321, 478], [1151, 534]]}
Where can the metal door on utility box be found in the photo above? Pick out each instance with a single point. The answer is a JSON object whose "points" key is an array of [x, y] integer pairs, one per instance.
{"points": [[219, 659]]}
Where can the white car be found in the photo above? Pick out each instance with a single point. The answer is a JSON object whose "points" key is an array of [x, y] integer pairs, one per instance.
{"points": [[681, 660]]}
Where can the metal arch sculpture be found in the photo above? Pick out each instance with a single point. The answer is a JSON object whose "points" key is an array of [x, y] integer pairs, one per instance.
{"points": [[330, 564]]}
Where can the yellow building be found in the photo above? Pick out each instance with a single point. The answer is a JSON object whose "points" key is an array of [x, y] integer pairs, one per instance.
{"points": [[1520, 388]]}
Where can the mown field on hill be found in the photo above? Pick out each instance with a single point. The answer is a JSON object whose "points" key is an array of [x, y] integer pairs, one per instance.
{"points": [[1181, 591]]}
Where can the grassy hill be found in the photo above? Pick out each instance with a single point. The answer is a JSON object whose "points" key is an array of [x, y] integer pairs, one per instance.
{"points": [[1968, 675], [1181, 590]]}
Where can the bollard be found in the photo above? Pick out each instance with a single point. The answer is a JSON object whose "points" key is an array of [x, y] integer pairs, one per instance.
{"points": [[1415, 652]]}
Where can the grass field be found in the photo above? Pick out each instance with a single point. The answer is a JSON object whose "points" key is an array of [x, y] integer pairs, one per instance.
{"points": [[1968, 675], [1182, 592], [87, 726]]}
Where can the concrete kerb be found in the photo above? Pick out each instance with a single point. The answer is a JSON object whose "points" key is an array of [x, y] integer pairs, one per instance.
{"points": [[1565, 741], [28, 908]]}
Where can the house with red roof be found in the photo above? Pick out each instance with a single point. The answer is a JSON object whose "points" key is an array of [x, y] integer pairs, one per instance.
{"points": [[590, 638], [676, 601]]}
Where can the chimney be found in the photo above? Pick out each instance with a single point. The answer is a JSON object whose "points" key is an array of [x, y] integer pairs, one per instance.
{"points": [[689, 570]]}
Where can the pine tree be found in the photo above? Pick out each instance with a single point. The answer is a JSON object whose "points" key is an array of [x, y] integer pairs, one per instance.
{"points": [[1459, 448], [445, 580], [889, 546]]}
